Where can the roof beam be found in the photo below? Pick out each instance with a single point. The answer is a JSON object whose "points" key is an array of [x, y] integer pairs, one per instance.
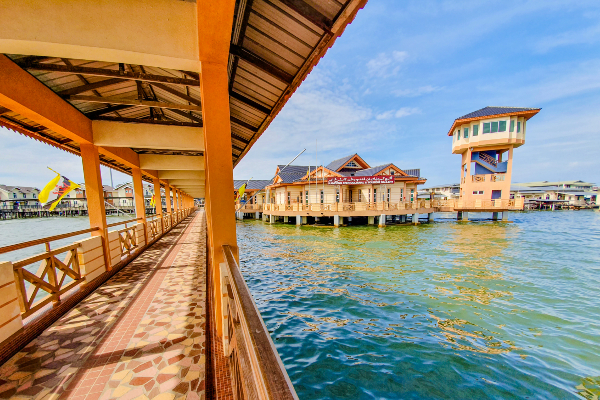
{"points": [[311, 14], [239, 139], [175, 174], [148, 121], [171, 162], [251, 103], [261, 64], [133, 102], [187, 115], [91, 86], [111, 73], [22, 93], [244, 124], [142, 136]]}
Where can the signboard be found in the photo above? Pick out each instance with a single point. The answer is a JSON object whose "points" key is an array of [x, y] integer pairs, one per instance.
{"points": [[361, 180]]}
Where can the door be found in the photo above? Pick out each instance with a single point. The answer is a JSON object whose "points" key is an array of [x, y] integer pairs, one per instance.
{"points": [[496, 194]]}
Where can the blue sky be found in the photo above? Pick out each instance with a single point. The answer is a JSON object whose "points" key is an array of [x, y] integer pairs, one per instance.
{"points": [[391, 86]]}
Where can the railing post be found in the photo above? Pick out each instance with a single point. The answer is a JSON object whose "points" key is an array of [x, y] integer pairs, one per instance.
{"points": [[94, 192], [10, 312]]}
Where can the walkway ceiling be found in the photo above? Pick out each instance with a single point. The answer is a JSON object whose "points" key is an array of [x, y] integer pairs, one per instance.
{"points": [[274, 45]]}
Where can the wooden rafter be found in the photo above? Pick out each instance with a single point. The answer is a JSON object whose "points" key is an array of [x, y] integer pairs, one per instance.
{"points": [[90, 86], [311, 14], [249, 102], [107, 72], [148, 121], [96, 113], [133, 102]]}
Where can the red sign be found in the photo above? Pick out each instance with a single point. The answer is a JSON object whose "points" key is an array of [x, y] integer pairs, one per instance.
{"points": [[361, 180]]}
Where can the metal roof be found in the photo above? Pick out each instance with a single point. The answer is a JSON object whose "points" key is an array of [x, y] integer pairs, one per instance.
{"points": [[252, 184], [490, 110], [337, 164]]}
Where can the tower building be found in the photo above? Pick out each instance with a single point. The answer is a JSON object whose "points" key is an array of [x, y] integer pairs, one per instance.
{"points": [[486, 138]]}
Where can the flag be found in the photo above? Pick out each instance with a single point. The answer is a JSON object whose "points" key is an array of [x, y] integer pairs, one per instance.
{"points": [[241, 191], [55, 190]]}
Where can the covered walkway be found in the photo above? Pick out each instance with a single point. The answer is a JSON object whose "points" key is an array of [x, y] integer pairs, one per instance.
{"points": [[141, 335]]}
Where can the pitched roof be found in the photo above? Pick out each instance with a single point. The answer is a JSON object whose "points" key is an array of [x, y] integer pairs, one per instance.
{"points": [[371, 171], [22, 189], [490, 110], [252, 184], [336, 164]]}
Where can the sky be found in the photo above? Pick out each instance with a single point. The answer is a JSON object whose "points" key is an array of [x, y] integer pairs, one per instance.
{"points": [[393, 83]]}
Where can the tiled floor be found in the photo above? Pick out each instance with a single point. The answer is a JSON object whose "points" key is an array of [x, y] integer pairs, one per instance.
{"points": [[138, 336]]}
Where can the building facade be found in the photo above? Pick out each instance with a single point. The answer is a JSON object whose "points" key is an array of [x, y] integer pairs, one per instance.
{"points": [[486, 139]]}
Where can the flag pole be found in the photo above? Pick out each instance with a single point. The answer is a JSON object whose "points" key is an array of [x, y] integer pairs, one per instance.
{"points": [[286, 165], [53, 170]]}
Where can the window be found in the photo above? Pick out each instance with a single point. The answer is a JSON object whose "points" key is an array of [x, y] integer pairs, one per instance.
{"points": [[486, 127], [392, 172], [374, 195], [494, 126], [14, 195], [458, 135], [477, 191], [337, 195], [352, 164], [518, 127], [388, 195], [322, 197], [359, 195], [401, 194], [466, 132], [25, 196], [475, 130], [34, 195], [412, 195], [288, 198], [369, 196], [512, 126], [502, 126], [306, 196]]}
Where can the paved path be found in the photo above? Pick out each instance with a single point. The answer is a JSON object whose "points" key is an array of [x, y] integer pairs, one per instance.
{"points": [[138, 336]]}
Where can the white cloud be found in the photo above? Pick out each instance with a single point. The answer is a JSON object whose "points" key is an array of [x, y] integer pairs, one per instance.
{"points": [[416, 92], [386, 64], [403, 112], [588, 35]]}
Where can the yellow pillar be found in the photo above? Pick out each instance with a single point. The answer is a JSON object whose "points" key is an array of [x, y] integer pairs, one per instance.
{"points": [[158, 201], [95, 194], [138, 194], [175, 205]]}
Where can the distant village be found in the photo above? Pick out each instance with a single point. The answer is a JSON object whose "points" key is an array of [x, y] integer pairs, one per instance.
{"points": [[24, 199]]}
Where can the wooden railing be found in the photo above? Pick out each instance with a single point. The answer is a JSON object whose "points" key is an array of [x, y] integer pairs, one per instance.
{"points": [[52, 276], [359, 206], [256, 369], [83, 262]]}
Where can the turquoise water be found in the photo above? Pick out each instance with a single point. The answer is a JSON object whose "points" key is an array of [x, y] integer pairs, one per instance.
{"points": [[448, 310]]}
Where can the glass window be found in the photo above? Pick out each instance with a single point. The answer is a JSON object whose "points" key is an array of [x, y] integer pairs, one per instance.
{"points": [[374, 195], [486, 127], [518, 127], [475, 130], [392, 172], [322, 197], [401, 194], [25, 196], [457, 136], [337, 195], [306, 195], [494, 126], [388, 195], [466, 132], [412, 195], [512, 126], [359, 195], [502, 126]]}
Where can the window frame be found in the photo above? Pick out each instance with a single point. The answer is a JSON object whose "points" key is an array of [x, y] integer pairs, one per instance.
{"points": [[500, 125], [476, 130], [466, 133], [512, 125], [487, 127]]}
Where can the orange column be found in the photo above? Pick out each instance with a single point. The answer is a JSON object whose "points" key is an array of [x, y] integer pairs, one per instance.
{"points": [[95, 194], [138, 194], [175, 205]]}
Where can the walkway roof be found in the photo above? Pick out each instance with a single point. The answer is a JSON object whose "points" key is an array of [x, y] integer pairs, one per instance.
{"points": [[143, 69]]}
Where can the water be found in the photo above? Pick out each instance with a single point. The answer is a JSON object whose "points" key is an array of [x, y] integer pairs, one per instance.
{"points": [[449, 310]]}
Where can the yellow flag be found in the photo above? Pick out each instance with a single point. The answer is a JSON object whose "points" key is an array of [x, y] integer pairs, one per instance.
{"points": [[55, 190], [241, 191], [152, 202]]}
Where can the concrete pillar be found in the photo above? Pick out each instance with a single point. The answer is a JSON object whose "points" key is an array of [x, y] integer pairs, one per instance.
{"points": [[264, 217], [158, 200], [271, 218], [371, 220], [382, 220], [462, 215], [214, 32], [298, 220], [257, 215], [430, 217], [415, 218], [494, 216], [336, 220], [90, 159], [286, 219], [304, 220], [504, 215]]}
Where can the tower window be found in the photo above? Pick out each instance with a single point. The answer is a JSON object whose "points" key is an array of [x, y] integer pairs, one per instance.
{"points": [[466, 132], [475, 130], [486, 127], [494, 126], [502, 126], [518, 127], [512, 126]]}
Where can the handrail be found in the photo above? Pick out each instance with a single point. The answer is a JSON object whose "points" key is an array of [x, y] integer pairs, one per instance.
{"points": [[272, 373], [35, 242], [122, 222]]}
